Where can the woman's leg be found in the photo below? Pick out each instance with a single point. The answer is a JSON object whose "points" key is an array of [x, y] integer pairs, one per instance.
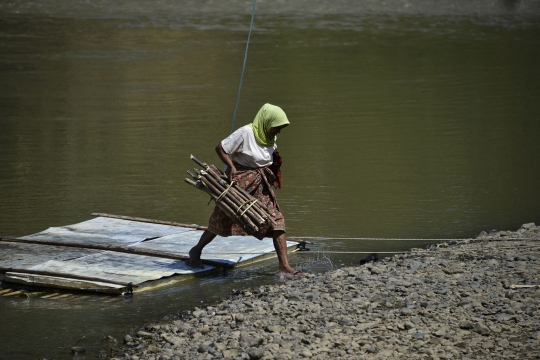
{"points": [[280, 244], [206, 238]]}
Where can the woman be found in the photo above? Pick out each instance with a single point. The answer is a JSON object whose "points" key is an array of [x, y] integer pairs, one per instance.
{"points": [[248, 153]]}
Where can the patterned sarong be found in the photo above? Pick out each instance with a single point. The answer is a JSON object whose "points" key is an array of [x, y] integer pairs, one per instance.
{"points": [[257, 183]]}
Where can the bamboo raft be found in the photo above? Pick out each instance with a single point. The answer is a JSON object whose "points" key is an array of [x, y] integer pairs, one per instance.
{"points": [[116, 254]]}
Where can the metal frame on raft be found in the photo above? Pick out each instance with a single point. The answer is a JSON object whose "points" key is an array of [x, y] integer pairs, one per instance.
{"points": [[118, 254]]}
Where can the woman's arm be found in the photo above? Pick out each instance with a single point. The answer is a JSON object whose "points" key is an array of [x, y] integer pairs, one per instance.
{"points": [[231, 170]]}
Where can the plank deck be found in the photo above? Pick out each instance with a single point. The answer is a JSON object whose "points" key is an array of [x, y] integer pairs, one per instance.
{"points": [[143, 271]]}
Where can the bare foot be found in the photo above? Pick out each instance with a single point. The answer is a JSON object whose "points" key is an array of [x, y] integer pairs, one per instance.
{"points": [[194, 260], [290, 274], [194, 254]]}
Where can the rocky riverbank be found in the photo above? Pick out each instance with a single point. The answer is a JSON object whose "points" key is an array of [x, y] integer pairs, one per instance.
{"points": [[473, 299]]}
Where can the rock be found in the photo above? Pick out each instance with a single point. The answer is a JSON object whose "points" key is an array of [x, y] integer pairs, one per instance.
{"points": [[256, 353], [127, 339], [376, 270], [406, 312], [144, 334], [232, 353], [204, 349], [273, 328], [78, 350], [408, 325], [465, 324], [527, 226], [152, 349], [481, 329], [503, 343], [306, 353], [249, 341], [203, 330]]}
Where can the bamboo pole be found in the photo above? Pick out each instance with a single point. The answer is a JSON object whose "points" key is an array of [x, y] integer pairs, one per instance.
{"points": [[229, 202], [152, 221], [64, 275], [223, 206], [212, 170], [238, 200]]}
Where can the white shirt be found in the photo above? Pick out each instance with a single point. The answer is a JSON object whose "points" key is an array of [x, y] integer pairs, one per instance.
{"points": [[245, 150]]}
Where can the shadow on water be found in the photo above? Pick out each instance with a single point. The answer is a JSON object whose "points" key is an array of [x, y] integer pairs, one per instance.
{"points": [[416, 119]]}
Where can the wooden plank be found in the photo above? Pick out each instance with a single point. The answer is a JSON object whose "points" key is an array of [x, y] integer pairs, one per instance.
{"points": [[64, 296], [5, 291], [62, 274], [64, 283], [162, 222], [50, 296]]}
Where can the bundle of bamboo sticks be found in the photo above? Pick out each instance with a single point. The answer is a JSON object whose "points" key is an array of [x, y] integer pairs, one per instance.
{"points": [[235, 202]]}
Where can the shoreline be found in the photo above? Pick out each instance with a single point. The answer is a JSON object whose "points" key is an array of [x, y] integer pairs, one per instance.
{"points": [[467, 299]]}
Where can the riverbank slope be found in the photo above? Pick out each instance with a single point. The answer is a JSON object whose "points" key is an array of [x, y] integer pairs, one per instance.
{"points": [[469, 299]]}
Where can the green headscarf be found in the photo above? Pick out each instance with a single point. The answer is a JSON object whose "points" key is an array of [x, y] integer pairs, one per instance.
{"points": [[269, 116]]}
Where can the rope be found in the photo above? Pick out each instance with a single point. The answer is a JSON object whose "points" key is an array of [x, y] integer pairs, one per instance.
{"points": [[244, 66], [376, 239], [397, 239], [224, 192], [247, 208]]}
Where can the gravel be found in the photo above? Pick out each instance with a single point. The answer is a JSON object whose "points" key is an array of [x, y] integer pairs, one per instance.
{"points": [[456, 300]]}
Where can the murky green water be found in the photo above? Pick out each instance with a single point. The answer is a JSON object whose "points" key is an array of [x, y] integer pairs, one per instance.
{"points": [[408, 122]]}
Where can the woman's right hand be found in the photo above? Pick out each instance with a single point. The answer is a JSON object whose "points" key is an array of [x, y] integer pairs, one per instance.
{"points": [[231, 172]]}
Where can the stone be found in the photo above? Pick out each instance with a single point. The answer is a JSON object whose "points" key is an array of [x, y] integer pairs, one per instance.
{"points": [[273, 328], [481, 329], [231, 353], [256, 353], [78, 350], [250, 341], [144, 334], [503, 343], [465, 324], [203, 330], [306, 354]]}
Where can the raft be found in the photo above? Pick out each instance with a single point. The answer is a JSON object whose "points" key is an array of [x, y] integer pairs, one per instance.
{"points": [[120, 254]]}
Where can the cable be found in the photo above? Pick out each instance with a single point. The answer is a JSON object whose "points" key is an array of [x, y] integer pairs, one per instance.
{"points": [[244, 66]]}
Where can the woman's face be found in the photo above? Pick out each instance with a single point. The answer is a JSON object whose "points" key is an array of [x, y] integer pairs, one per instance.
{"points": [[275, 130]]}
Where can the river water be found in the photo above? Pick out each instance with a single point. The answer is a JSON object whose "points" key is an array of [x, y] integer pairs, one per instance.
{"points": [[409, 119]]}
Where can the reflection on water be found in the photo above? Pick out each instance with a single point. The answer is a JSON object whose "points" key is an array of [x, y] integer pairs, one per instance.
{"points": [[407, 121]]}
